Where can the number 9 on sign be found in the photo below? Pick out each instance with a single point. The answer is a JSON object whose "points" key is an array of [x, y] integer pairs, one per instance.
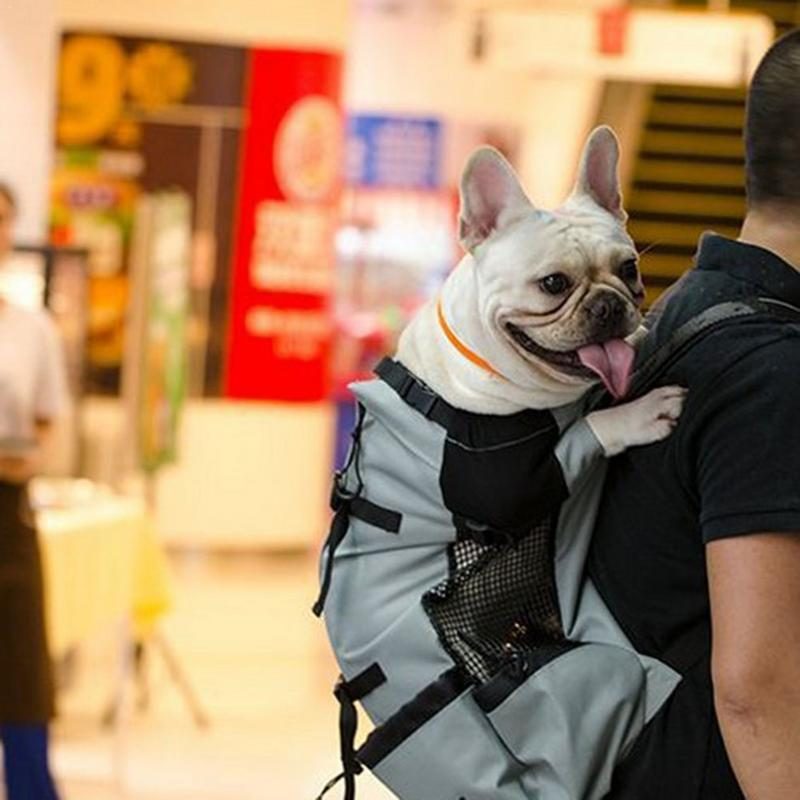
{"points": [[91, 87]]}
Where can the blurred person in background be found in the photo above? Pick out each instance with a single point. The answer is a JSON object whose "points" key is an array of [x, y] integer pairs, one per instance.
{"points": [[32, 394], [700, 534]]}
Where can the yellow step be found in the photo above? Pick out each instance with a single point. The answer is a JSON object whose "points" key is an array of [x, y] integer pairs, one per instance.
{"points": [[702, 92], [784, 12], [706, 204], [651, 169], [723, 117], [692, 144]]}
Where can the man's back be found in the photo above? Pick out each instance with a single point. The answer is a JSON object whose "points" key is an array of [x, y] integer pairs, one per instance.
{"points": [[731, 468]]}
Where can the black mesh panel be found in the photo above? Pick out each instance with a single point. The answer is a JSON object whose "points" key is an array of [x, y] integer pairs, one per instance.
{"points": [[499, 600]]}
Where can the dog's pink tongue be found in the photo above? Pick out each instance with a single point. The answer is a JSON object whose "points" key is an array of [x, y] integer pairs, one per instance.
{"points": [[613, 362]]}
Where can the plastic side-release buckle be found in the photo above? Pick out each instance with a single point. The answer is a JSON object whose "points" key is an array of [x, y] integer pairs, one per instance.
{"points": [[416, 394], [340, 495], [483, 534], [425, 400]]}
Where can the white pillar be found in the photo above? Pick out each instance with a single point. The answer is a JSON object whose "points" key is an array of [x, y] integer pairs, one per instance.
{"points": [[27, 67]]}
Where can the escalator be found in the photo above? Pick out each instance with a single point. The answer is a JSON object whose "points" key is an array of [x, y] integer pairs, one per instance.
{"points": [[689, 173]]}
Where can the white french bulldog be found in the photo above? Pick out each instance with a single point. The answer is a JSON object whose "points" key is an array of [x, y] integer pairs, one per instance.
{"points": [[542, 304]]}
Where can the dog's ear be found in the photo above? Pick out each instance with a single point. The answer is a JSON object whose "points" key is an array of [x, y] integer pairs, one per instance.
{"points": [[491, 197], [598, 174]]}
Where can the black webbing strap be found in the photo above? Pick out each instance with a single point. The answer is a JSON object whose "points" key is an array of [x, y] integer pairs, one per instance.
{"points": [[339, 526], [362, 684], [347, 503], [412, 716], [416, 393], [376, 515], [341, 498], [713, 318], [347, 694]]}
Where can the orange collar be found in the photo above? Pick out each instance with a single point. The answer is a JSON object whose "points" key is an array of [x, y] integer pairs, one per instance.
{"points": [[470, 355]]}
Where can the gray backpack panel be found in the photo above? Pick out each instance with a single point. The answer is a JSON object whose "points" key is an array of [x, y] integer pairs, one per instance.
{"points": [[455, 755], [584, 706], [548, 727], [374, 610]]}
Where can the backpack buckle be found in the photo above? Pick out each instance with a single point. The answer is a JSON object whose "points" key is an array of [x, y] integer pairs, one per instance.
{"points": [[340, 494], [482, 534]]}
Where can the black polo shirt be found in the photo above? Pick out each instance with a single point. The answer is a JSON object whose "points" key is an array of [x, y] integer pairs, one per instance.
{"points": [[731, 468]]}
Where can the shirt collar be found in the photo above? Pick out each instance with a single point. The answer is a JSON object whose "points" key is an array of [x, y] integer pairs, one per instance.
{"points": [[766, 272]]}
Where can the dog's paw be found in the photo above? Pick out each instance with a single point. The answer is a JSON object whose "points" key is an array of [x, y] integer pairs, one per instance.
{"points": [[649, 419]]}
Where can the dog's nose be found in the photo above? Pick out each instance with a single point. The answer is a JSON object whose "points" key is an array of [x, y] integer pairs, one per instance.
{"points": [[606, 308]]}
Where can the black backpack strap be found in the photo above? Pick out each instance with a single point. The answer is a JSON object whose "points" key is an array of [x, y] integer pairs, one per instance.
{"points": [[714, 318], [416, 393], [348, 693], [347, 503], [341, 502]]}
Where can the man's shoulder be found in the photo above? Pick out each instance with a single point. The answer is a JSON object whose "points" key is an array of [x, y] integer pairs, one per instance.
{"points": [[765, 345], [763, 342], [741, 367]]}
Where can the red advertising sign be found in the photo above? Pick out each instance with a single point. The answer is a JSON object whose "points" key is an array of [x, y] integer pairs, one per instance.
{"points": [[280, 325], [613, 30]]}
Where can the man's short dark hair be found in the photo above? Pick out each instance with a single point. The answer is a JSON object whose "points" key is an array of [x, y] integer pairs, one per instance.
{"points": [[7, 193], [772, 127]]}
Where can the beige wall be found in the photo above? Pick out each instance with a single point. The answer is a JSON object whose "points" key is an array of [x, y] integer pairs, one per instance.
{"points": [[250, 475], [560, 112], [420, 62], [304, 23]]}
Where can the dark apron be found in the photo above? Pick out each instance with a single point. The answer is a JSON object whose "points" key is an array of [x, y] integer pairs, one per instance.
{"points": [[26, 687]]}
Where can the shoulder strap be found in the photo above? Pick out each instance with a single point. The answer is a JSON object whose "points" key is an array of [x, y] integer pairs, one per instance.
{"points": [[735, 312], [416, 393]]}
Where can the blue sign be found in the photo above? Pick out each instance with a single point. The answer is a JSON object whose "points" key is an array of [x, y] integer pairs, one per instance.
{"points": [[394, 152]]}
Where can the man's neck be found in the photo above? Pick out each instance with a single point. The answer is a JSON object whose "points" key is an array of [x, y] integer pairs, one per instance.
{"points": [[775, 230]]}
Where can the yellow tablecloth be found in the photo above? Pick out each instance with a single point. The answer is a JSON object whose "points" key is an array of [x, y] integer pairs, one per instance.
{"points": [[102, 564]]}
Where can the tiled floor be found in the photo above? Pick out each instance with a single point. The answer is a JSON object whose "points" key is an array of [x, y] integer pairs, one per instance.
{"points": [[259, 662]]}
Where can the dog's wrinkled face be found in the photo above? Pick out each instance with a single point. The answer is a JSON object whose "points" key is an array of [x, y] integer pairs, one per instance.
{"points": [[553, 283]]}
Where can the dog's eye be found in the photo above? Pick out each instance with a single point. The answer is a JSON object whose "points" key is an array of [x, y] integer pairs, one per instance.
{"points": [[629, 270], [555, 284]]}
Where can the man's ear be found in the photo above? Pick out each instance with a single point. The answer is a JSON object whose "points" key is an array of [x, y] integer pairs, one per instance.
{"points": [[491, 197], [598, 174]]}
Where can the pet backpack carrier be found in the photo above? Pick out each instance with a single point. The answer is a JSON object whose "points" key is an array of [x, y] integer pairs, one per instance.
{"points": [[457, 603]]}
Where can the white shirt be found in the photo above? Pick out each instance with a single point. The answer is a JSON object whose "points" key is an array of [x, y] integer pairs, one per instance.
{"points": [[33, 383]]}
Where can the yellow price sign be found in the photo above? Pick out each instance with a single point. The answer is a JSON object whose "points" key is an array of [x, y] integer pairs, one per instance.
{"points": [[91, 89], [158, 75], [96, 75]]}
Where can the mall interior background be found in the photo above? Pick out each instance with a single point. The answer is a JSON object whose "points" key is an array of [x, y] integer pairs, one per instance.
{"points": [[231, 208]]}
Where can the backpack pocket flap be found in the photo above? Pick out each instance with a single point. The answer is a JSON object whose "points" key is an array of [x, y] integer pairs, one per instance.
{"points": [[440, 746], [570, 720]]}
